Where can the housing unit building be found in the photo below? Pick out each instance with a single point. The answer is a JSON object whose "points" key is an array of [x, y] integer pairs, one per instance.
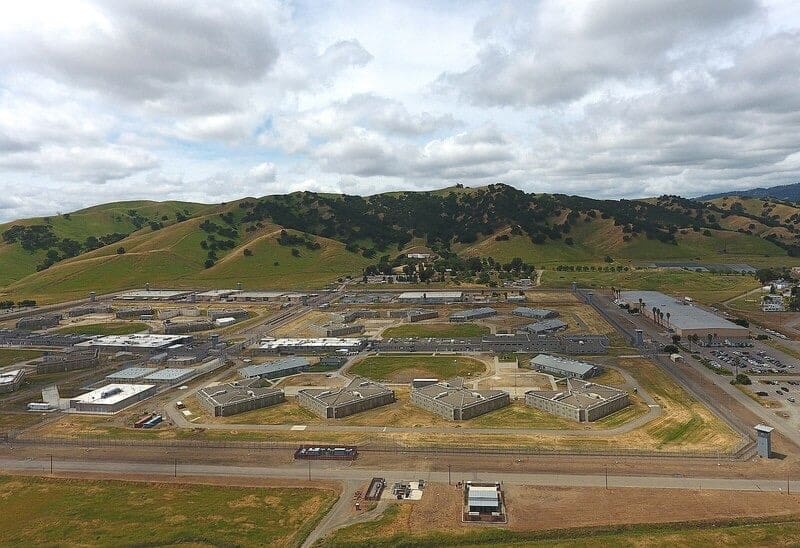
{"points": [[44, 321], [360, 395], [217, 313], [544, 326], [431, 297], [228, 399], [580, 401], [472, 314], [134, 312], [564, 367], [112, 398], [339, 330], [451, 400], [11, 380], [88, 309], [685, 318], [273, 370], [153, 295], [321, 345], [68, 361], [535, 313], [353, 315], [142, 342], [177, 328]]}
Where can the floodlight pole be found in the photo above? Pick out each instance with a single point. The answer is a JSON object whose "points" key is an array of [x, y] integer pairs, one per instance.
{"points": [[449, 482], [51, 465], [309, 469], [606, 476], [175, 471]]}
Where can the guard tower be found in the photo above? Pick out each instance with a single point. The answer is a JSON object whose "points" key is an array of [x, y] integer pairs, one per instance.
{"points": [[638, 338], [764, 440]]}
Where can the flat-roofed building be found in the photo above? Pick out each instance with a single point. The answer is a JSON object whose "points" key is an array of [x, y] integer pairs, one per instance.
{"points": [[535, 313], [545, 326], [131, 373], [217, 294], [273, 370], [11, 380], [321, 345], [472, 314], [148, 342], [112, 398], [685, 318], [453, 401], [338, 329], [43, 321], [228, 399], [431, 297], [134, 312], [334, 403], [153, 295], [579, 400], [564, 367], [68, 361], [170, 375], [259, 296]]}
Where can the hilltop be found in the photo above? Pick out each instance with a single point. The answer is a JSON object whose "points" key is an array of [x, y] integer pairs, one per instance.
{"points": [[307, 239], [789, 193]]}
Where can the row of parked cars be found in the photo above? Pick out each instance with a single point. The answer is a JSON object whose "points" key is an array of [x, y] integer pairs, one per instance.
{"points": [[761, 362]]}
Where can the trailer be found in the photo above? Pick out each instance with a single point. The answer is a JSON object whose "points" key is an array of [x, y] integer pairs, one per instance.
{"points": [[326, 452], [142, 420], [154, 421]]}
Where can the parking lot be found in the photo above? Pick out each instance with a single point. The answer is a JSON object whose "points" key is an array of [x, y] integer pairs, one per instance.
{"points": [[753, 361]]}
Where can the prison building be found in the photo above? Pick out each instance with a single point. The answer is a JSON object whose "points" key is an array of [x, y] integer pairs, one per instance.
{"points": [[224, 400], [237, 313], [580, 401], [273, 370], [34, 323], [148, 294], [323, 345], [564, 367], [535, 313], [472, 314], [11, 380], [339, 330], [352, 315], [79, 311], [130, 374], [217, 294], [112, 398], [545, 326], [143, 342], [68, 361], [170, 375], [685, 318], [177, 328], [451, 400], [332, 361], [516, 298], [360, 395], [134, 312], [414, 314], [431, 297]]}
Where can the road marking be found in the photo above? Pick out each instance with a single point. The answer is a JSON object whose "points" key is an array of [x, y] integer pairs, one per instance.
{"points": [[652, 405], [299, 427]]}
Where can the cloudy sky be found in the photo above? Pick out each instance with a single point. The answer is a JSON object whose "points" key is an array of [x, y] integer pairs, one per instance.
{"points": [[210, 101]]}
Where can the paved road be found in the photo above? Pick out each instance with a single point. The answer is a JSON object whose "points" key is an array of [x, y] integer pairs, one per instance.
{"points": [[342, 472]]}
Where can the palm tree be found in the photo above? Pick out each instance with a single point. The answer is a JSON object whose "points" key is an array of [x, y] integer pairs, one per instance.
{"points": [[667, 320], [661, 317], [641, 305], [655, 314]]}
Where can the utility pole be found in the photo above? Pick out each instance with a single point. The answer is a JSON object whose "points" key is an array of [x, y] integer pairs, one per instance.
{"points": [[309, 469], [51, 465], [606, 476], [175, 471]]}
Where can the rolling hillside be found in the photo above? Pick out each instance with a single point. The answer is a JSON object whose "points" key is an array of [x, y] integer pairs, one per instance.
{"points": [[306, 239]]}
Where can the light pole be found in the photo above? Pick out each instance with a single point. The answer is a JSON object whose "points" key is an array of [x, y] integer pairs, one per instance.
{"points": [[606, 476], [175, 469], [449, 480], [51, 465], [309, 469]]}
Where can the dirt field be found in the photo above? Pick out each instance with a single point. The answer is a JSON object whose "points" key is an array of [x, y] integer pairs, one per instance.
{"points": [[303, 326], [540, 298]]}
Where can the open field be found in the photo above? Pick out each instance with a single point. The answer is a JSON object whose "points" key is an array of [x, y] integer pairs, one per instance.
{"points": [[619, 517], [87, 512], [9, 356], [702, 286], [454, 330], [405, 367], [110, 328]]}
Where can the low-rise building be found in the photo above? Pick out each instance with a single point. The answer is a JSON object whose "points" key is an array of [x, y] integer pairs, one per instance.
{"points": [[580, 400], [321, 345], [228, 399], [535, 313], [68, 361], [472, 314], [451, 400], [564, 367], [339, 330], [144, 342], [170, 375], [274, 370], [11, 380], [545, 326], [431, 297], [335, 403], [177, 328], [43, 321], [112, 398]]}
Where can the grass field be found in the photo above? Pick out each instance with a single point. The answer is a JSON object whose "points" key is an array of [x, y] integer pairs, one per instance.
{"points": [[405, 367], [55, 512], [10, 356], [110, 328], [454, 330]]}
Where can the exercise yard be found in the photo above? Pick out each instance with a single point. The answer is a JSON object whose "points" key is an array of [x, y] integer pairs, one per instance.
{"points": [[405, 367], [422, 330]]}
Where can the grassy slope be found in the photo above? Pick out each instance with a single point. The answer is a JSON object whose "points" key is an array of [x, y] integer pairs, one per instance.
{"points": [[83, 512], [10, 356]]}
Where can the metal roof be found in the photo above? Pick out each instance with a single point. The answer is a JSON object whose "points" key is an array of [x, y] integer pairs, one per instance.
{"points": [[562, 364], [112, 393], [131, 373], [170, 374], [431, 295], [474, 312], [286, 364], [682, 314]]}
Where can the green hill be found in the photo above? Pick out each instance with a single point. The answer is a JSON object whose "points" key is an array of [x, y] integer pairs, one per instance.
{"points": [[306, 239]]}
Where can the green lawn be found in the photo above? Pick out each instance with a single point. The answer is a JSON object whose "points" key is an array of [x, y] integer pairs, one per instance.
{"points": [[436, 330], [404, 367], [56, 512], [111, 328], [10, 356]]}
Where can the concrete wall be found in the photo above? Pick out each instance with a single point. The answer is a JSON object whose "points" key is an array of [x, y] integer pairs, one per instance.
{"points": [[226, 410]]}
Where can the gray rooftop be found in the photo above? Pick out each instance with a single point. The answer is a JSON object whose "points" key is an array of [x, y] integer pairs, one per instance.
{"points": [[453, 393], [276, 367], [580, 394], [527, 312], [563, 364], [131, 373], [544, 326], [682, 314], [224, 394], [359, 388], [170, 374]]}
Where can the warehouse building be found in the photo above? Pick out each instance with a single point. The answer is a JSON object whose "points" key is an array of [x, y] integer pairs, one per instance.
{"points": [[451, 400], [153, 295], [145, 342], [535, 313], [11, 380], [217, 294], [273, 370], [545, 326], [580, 401], [34, 323], [68, 361], [472, 314], [224, 400], [431, 297], [170, 375], [112, 398], [258, 296], [360, 395], [685, 318], [564, 367], [322, 345]]}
